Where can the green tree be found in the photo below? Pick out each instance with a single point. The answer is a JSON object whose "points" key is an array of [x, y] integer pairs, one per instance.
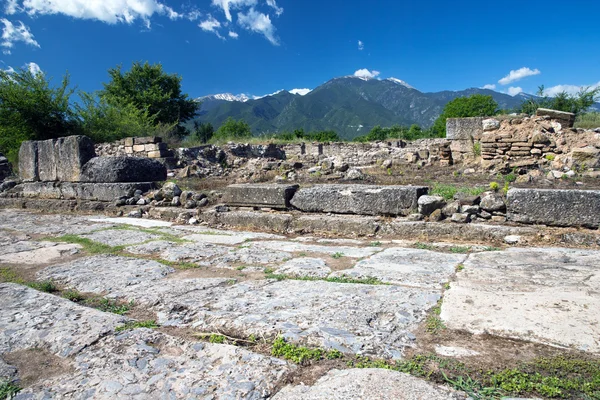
{"points": [[414, 132], [203, 131], [32, 109], [477, 105], [232, 129], [562, 101], [151, 90]]}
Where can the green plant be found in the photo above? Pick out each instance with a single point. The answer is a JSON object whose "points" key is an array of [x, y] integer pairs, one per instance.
{"points": [[337, 255], [73, 295], [506, 188], [490, 248], [300, 354], [375, 244], [511, 177], [110, 306], [459, 249], [550, 157], [448, 191], [434, 324], [232, 129], [44, 286], [494, 186], [473, 388], [150, 324], [459, 268], [476, 105], [241, 268], [214, 338], [563, 101], [477, 148], [88, 245], [8, 390], [423, 246]]}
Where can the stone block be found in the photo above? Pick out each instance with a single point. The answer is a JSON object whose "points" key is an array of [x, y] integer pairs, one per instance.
{"points": [[47, 160], [464, 128], [80, 191], [71, 154], [428, 204], [28, 161], [259, 195], [147, 140], [359, 199], [138, 148], [566, 119], [554, 207], [129, 150], [123, 169], [128, 142]]}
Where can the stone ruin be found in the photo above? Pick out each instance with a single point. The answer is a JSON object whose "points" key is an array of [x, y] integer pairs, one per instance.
{"points": [[5, 168]]}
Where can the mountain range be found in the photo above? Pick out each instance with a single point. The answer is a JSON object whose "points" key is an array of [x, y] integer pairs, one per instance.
{"points": [[349, 105]]}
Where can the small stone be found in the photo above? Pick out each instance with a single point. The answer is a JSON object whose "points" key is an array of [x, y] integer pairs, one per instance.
{"points": [[192, 221], [354, 174], [131, 201], [451, 208], [461, 218], [202, 203], [484, 214], [120, 202], [170, 190], [176, 202], [428, 204], [415, 217], [490, 124], [221, 208], [436, 216], [498, 218], [190, 204], [138, 193], [198, 196], [135, 214], [466, 209], [512, 239], [492, 201], [141, 202], [387, 164]]}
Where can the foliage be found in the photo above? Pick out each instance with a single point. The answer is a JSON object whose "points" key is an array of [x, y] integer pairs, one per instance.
{"points": [[232, 129], [137, 324], [395, 132], [8, 390], [110, 306], [88, 245], [448, 191], [589, 120], [494, 186], [203, 131], [477, 105], [32, 109], [337, 255], [562, 101], [300, 135], [151, 90], [300, 354]]}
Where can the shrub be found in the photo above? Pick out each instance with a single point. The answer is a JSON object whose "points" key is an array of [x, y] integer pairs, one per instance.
{"points": [[477, 105]]}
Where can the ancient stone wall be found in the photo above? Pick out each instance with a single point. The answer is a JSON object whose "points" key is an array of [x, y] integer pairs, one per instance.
{"points": [[144, 147]]}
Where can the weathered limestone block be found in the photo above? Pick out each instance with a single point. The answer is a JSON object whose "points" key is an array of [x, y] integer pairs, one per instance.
{"points": [[81, 191], [28, 161], [147, 140], [555, 207], [260, 195], [47, 160], [464, 128], [586, 156], [359, 199], [71, 154], [123, 169], [566, 119]]}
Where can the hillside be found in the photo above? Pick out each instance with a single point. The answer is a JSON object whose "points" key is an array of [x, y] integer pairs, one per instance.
{"points": [[351, 106]]}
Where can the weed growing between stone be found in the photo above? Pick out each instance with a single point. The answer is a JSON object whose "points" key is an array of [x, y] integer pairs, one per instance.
{"points": [[153, 231], [423, 246], [88, 245], [151, 324], [8, 275], [459, 249], [433, 323], [337, 255], [299, 354], [8, 390], [178, 264], [269, 274], [449, 191]]}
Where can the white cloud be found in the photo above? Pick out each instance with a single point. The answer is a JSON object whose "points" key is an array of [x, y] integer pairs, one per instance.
{"points": [[489, 86], [228, 5], [365, 73], [193, 15], [109, 11], [233, 35], [571, 89], [301, 92], [518, 74], [273, 4], [12, 6], [258, 22], [361, 45], [33, 68], [12, 34], [211, 25], [513, 91]]}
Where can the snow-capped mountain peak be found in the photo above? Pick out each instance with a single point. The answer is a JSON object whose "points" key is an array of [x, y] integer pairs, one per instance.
{"points": [[400, 82], [228, 97]]}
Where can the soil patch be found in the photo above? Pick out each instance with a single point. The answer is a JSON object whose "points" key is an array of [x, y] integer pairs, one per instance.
{"points": [[35, 365]]}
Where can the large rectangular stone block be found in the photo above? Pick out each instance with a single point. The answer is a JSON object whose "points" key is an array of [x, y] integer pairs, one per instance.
{"points": [[72, 152], [28, 161], [566, 119], [464, 128], [47, 160], [359, 199], [555, 207], [80, 191], [260, 195]]}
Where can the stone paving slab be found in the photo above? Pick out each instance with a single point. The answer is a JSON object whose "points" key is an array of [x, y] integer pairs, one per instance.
{"points": [[45, 253], [47, 224], [144, 364], [368, 384], [548, 295], [305, 267], [30, 318], [346, 251], [411, 267], [105, 273], [353, 318], [141, 222], [121, 237]]}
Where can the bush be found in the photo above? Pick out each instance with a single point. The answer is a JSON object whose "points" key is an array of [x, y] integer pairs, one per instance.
{"points": [[232, 129], [589, 120], [562, 101], [476, 105]]}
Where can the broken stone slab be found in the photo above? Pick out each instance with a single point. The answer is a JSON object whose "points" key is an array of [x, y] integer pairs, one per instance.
{"points": [[121, 237], [305, 267], [554, 207], [359, 199], [33, 319], [343, 251], [275, 196], [123, 169], [28, 161], [108, 272], [352, 318], [368, 383], [544, 295], [409, 267], [145, 364], [464, 129], [566, 119], [50, 252], [80, 191]]}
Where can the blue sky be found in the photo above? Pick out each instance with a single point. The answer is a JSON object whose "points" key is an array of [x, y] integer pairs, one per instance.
{"points": [[261, 46]]}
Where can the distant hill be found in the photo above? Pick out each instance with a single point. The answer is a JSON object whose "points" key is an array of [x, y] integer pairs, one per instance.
{"points": [[351, 106]]}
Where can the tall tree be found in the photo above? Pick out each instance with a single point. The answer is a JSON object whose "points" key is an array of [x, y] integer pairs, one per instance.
{"points": [[150, 89]]}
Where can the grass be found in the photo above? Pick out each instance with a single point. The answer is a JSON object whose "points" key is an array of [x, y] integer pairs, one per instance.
{"points": [[110, 306], [589, 120], [433, 323], [10, 276], [423, 246], [151, 324], [459, 268], [459, 249], [88, 245], [269, 274], [337, 255], [178, 264], [375, 244], [299, 354], [8, 390], [448, 191]]}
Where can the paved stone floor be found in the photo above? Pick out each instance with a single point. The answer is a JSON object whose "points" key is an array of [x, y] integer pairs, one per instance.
{"points": [[359, 297]]}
